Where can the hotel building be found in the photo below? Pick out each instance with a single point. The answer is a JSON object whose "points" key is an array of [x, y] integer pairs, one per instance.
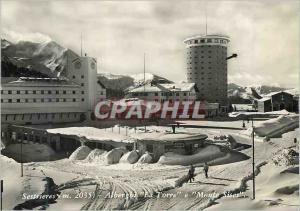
{"points": [[30, 101], [207, 66]]}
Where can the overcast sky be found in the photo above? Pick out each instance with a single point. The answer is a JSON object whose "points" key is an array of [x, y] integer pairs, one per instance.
{"points": [[264, 34]]}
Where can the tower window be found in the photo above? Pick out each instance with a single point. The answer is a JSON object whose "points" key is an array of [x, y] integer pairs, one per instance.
{"points": [[82, 76], [82, 84], [74, 100], [74, 77]]}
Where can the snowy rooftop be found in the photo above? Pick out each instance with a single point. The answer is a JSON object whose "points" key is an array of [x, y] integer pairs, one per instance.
{"points": [[102, 135], [92, 133], [264, 99], [274, 93], [28, 81], [168, 136], [149, 88], [184, 87], [243, 106]]}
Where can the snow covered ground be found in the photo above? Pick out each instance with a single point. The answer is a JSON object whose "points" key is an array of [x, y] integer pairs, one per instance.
{"points": [[15, 185], [271, 128], [31, 152], [154, 186], [245, 113]]}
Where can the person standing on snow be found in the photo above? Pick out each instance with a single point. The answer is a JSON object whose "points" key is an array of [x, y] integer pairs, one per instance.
{"points": [[205, 168], [191, 173]]}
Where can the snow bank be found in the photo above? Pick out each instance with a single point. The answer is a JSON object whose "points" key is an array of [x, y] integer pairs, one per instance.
{"points": [[205, 154], [14, 185], [145, 158], [130, 157], [96, 155], [274, 127], [80, 153], [32, 152], [114, 155], [281, 123], [241, 113]]}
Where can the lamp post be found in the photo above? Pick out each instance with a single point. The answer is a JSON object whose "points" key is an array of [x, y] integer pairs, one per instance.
{"points": [[253, 163], [22, 154], [253, 150], [1, 194]]}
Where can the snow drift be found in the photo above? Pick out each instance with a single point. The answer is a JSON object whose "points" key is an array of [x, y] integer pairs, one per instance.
{"points": [[80, 153], [114, 155], [275, 127], [205, 154], [130, 157], [96, 155], [32, 152], [145, 158], [281, 123]]}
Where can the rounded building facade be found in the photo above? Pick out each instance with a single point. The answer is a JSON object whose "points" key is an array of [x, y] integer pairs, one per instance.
{"points": [[207, 66]]}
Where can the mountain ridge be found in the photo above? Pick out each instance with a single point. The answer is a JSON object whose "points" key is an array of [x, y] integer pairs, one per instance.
{"points": [[49, 59]]}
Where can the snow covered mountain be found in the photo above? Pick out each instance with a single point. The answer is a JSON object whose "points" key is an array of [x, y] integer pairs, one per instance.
{"points": [[116, 84], [48, 59], [33, 59], [251, 92], [133, 80]]}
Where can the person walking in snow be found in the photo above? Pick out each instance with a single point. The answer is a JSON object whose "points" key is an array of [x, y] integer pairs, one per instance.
{"points": [[191, 173], [205, 168]]}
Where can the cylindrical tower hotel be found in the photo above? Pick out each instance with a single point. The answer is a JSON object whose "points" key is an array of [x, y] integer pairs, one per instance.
{"points": [[207, 66]]}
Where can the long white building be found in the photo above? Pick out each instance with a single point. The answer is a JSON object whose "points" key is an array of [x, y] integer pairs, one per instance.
{"points": [[29, 101], [164, 92]]}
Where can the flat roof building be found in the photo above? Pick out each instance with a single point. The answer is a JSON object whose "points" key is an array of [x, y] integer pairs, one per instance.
{"points": [[29, 101]]}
